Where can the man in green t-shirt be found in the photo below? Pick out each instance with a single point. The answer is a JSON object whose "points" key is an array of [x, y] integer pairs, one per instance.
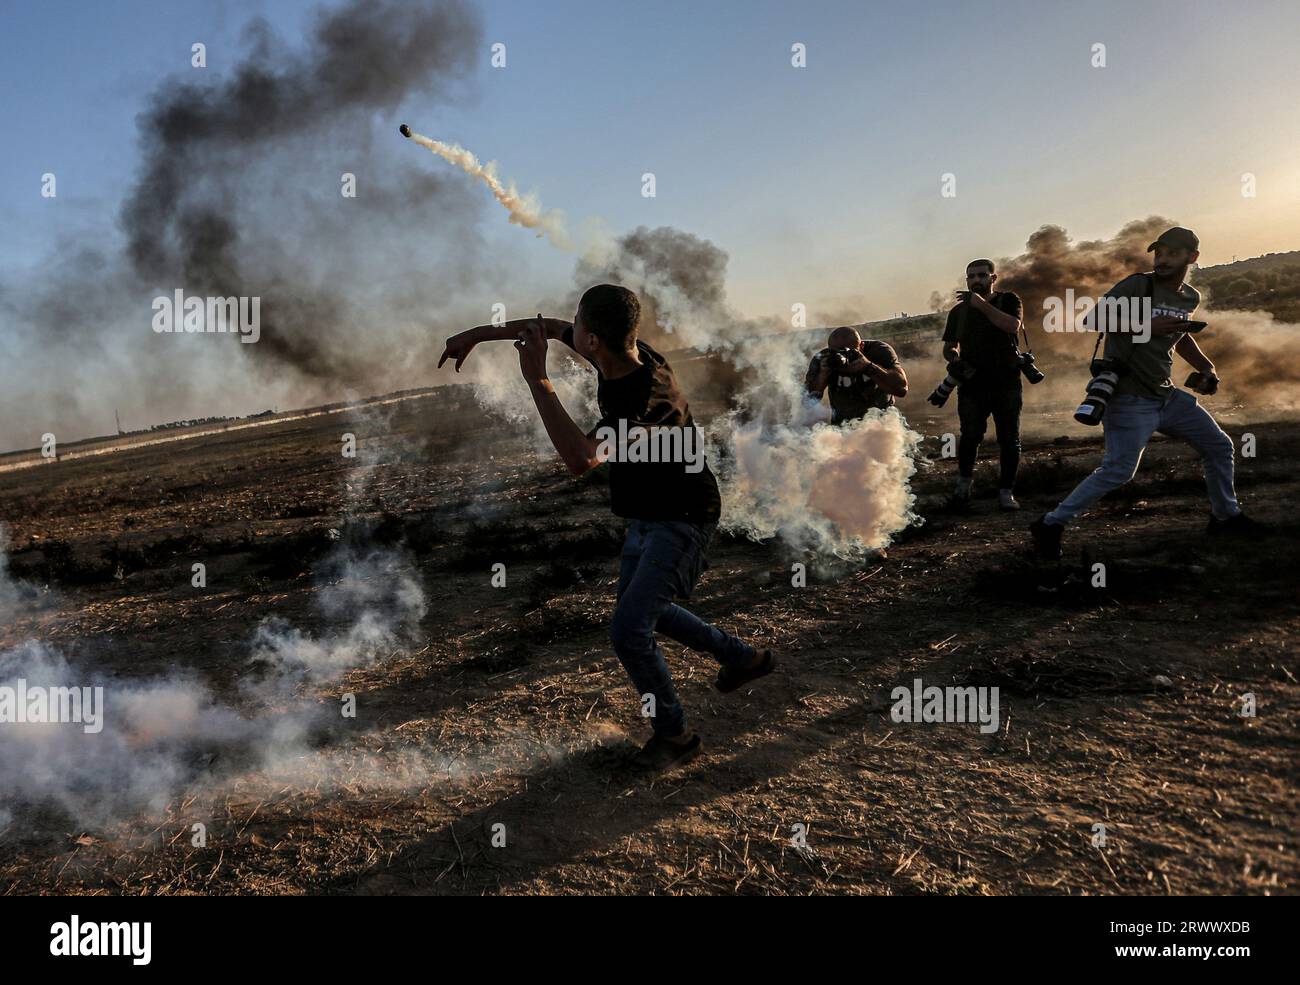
{"points": [[1145, 399]]}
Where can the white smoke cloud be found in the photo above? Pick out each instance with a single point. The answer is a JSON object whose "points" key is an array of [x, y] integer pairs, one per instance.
{"points": [[164, 736], [499, 388], [376, 593], [157, 736], [787, 472]]}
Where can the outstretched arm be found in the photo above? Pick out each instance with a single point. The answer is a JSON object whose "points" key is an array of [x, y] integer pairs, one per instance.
{"points": [[576, 449], [459, 346]]}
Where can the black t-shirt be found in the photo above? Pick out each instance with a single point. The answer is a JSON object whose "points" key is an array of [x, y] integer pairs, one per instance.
{"points": [[989, 349], [648, 398], [853, 394]]}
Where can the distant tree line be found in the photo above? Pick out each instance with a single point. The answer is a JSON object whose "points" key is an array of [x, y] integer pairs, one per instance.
{"points": [[1269, 283]]}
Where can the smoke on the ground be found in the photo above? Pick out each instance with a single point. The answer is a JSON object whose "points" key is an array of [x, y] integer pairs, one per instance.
{"points": [[173, 734]]}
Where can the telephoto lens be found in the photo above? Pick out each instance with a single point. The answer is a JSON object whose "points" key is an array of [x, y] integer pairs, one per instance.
{"points": [[1105, 374], [958, 372], [1032, 373]]}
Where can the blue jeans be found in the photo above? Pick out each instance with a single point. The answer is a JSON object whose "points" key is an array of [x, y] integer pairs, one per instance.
{"points": [[662, 559], [1129, 423]]}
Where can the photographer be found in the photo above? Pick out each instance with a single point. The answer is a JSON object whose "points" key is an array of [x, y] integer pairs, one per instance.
{"points": [[981, 331], [1144, 399], [861, 374]]}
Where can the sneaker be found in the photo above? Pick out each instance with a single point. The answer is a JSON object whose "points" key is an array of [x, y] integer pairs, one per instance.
{"points": [[661, 754], [957, 503], [1007, 500], [1047, 538], [732, 678], [1235, 526]]}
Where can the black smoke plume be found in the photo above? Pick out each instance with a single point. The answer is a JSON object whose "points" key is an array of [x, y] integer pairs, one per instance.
{"points": [[190, 219], [238, 193]]}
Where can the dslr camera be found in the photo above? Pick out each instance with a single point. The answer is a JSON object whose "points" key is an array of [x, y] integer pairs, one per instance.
{"points": [[837, 358], [1031, 372], [1105, 374], [958, 372]]}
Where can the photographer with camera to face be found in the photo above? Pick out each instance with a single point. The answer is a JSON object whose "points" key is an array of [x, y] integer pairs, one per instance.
{"points": [[1132, 395], [979, 344], [861, 374]]}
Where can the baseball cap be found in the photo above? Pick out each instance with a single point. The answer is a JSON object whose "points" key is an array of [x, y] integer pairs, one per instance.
{"points": [[1177, 238]]}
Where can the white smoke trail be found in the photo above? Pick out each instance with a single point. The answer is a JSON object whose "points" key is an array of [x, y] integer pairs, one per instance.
{"points": [[525, 210]]}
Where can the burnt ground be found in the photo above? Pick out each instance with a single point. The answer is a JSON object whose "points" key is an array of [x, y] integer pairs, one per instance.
{"points": [[1120, 705]]}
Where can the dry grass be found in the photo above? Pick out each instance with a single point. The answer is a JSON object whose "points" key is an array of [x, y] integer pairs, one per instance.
{"points": [[507, 707]]}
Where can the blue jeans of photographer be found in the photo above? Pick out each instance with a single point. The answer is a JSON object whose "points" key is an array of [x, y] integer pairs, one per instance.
{"points": [[662, 560], [1129, 423]]}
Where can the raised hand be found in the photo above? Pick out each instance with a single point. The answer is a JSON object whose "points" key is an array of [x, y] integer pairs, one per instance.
{"points": [[459, 348]]}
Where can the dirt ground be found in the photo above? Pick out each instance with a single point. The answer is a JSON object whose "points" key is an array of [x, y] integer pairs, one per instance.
{"points": [[1119, 704]]}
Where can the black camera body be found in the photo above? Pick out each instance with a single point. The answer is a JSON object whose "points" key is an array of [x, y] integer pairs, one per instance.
{"points": [[1025, 360], [1106, 373], [837, 358], [958, 372]]}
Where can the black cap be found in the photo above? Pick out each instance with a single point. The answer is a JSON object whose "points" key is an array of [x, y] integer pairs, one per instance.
{"points": [[1178, 238]]}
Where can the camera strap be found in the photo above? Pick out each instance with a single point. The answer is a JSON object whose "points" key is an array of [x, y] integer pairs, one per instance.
{"points": [[1149, 281]]}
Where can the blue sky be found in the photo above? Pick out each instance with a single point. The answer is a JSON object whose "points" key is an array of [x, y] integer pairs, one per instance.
{"points": [[822, 183]]}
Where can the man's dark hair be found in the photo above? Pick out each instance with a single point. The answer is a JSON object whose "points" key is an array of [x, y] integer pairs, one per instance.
{"points": [[982, 263], [612, 314]]}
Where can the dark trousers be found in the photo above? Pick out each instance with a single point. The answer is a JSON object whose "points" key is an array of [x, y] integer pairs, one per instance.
{"points": [[977, 400], [661, 560]]}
